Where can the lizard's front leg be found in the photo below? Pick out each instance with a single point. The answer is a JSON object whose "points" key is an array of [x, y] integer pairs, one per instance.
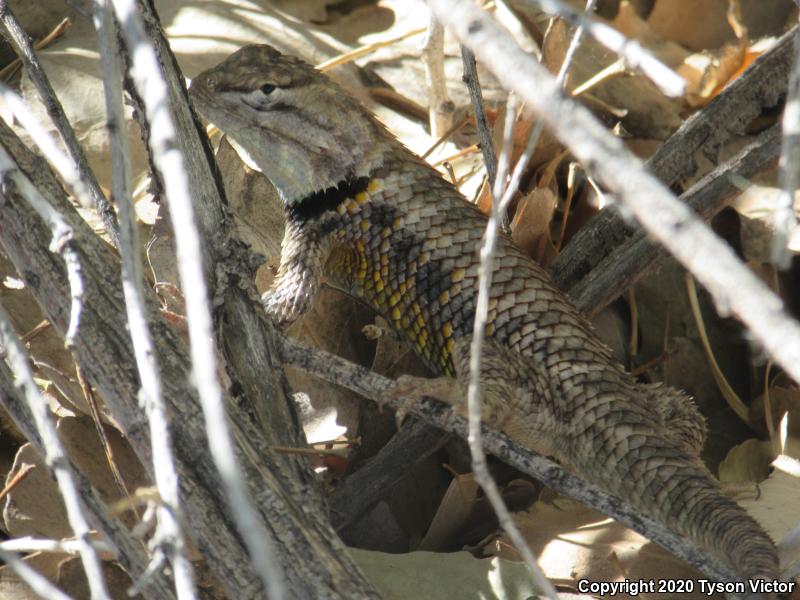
{"points": [[514, 393], [303, 257]]}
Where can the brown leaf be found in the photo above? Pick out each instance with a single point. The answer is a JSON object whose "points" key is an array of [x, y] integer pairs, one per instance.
{"points": [[34, 507], [453, 511], [631, 98], [694, 25], [530, 228]]}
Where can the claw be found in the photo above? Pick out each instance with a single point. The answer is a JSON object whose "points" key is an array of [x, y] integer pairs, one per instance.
{"points": [[409, 390]]}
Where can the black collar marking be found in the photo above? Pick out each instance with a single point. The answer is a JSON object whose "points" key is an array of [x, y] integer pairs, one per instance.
{"points": [[318, 203]]}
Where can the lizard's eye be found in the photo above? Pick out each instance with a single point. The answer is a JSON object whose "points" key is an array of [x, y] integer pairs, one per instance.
{"points": [[267, 89]]}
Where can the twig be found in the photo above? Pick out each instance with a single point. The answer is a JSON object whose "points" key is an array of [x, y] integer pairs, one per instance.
{"points": [[485, 269], [168, 534], [18, 478], [55, 457], [364, 50], [336, 370], [484, 133], [11, 68], [37, 582], [634, 54], [22, 45], [735, 403], [31, 544], [440, 107], [91, 400], [168, 160], [446, 136]]}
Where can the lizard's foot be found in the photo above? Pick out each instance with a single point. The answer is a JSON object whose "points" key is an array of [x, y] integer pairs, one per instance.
{"points": [[409, 390], [380, 329]]}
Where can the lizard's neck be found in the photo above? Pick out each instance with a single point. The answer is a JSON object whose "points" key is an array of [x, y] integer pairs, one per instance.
{"points": [[316, 204]]}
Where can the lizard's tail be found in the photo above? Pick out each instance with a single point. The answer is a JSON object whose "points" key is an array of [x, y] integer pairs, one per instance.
{"points": [[665, 482]]}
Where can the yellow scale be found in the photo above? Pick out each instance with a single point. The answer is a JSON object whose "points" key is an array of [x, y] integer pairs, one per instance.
{"points": [[375, 286]]}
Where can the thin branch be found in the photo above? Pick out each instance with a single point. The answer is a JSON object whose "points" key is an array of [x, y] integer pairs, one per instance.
{"points": [[127, 550], [39, 584], [169, 161], [733, 286], [484, 132], [631, 51], [370, 385], [440, 107], [22, 45], [485, 269], [168, 534], [32, 544], [54, 455]]}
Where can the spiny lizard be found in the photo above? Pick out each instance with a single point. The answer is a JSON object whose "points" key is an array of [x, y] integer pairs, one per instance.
{"points": [[378, 222]]}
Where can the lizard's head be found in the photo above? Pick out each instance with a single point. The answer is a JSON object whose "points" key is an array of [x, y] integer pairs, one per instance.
{"points": [[300, 128]]}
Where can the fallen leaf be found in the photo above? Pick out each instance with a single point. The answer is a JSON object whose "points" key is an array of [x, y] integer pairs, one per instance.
{"points": [[453, 511], [530, 228]]}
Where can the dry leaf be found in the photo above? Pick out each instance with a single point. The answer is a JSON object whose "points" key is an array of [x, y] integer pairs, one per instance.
{"points": [[633, 99], [776, 507], [694, 25], [34, 507], [530, 228], [82, 443], [453, 511], [708, 72], [747, 462]]}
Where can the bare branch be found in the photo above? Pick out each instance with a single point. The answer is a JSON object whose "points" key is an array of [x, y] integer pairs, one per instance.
{"points": [[168, 534], [168, 160], [440, 107], [362, 381], [484, 133], [633, 53], [54, 455]]}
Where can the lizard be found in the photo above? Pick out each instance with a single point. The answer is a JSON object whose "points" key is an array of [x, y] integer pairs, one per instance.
{"points": [[366, 215]]}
